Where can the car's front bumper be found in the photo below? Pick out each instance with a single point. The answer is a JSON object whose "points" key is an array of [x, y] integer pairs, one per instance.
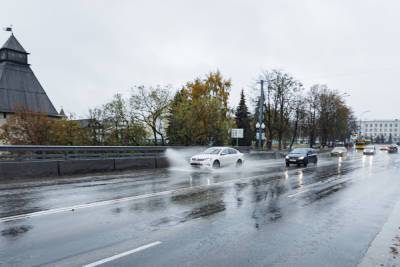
{"points": [[199, 164], [368, 153], [295, 161]]}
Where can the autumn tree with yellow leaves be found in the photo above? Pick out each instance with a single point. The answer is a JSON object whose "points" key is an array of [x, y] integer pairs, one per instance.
{"points": [[199, 113]]}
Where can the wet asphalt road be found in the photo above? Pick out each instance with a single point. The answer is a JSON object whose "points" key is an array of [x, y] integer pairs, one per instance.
{"points": [[263, 214]]}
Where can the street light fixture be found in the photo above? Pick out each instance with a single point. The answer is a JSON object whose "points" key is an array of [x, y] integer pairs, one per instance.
{"points": [[258, 125]]}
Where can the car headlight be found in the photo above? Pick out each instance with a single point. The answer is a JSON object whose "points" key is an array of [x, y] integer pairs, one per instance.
{"points": [[287, 157], [301, 158]]}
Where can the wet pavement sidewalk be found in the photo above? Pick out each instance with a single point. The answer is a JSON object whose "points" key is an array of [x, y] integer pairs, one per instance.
{"points": [[385, 248]]}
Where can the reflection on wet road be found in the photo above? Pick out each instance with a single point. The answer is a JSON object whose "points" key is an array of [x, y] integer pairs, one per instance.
{"points": [[261, 214]]}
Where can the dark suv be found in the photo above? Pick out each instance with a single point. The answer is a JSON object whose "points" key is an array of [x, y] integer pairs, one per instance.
{"points": [[301, 156], [393, 148]]}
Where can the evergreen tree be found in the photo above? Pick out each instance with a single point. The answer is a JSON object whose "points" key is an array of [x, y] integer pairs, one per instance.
{"points": [[175, 122], [243, 120]]}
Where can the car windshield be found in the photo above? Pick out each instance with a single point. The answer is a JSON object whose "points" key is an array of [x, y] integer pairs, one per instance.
{"points": [[299, 151], [369, 147], [212, 150]]}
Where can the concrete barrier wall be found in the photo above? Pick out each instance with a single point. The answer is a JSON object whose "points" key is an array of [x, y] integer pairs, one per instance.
{"points": [[162, 162], [83, 166], [48, 168], [135, 164], [28, 169]]}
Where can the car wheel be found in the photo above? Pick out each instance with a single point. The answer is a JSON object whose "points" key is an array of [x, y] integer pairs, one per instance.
{"points": [[316, 160], [305, 163], [239, 163], [216, 164], [287, 164]]}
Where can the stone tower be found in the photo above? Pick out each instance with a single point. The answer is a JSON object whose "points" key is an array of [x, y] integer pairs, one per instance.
{"points": [[19, 87]]}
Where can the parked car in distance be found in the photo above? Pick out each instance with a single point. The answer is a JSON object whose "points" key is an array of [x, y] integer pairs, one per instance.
{"points": [[393, 148], [301, 156], [339, 144], [369, 150], [384, 148], [339, 152], [216, 157]]}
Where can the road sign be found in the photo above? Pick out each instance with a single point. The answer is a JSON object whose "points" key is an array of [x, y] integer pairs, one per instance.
{"points": [[237, 133]]}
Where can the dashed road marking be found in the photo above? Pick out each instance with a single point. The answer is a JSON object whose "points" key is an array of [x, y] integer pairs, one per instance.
{"points": [[126, 253]]}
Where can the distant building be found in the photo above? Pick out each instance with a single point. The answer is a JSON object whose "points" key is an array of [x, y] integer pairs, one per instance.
{"points": [[20, 90], [377, 128]]}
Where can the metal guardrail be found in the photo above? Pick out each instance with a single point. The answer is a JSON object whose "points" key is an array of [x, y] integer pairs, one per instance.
{"points": [[32, 152], [19, 153], [26, 148]]}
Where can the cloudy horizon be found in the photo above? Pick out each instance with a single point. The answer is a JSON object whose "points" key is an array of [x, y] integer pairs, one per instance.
{"points": [[84, 53]]}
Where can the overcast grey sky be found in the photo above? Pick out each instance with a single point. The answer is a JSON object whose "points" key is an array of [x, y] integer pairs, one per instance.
{"points": [[84, 52]]}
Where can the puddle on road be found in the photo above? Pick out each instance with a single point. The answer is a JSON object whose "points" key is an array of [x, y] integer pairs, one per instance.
{"points": [[318, 194], [205, 211], [16, 231], [198, 212], [150, 205], [198, 196], [204, 203], [266, 196], [117, 210]]}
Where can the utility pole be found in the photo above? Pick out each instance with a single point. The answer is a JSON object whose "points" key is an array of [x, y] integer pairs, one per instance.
{"points": [[269, 140], [261, 115]]}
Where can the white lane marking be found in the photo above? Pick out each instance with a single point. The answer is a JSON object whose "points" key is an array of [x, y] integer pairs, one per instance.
{"points": [[118, 200], [298, 193], [100, 262]]}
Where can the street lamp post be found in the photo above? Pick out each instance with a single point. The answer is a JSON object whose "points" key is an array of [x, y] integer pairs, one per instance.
{"points": [[260, 125]]}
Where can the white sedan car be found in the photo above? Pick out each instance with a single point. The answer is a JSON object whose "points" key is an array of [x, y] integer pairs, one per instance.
{"points": [[369, 150], [339, 152], [217, 157]]}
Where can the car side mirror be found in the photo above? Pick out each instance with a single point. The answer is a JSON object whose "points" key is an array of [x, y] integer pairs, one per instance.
{"points": [[224, 154]]}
